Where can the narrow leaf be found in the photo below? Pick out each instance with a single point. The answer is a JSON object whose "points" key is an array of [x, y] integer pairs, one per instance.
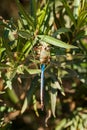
{"points": [[41, 15], [59, 87], [32, 71], [26, 46], [1, 50], [69, 12], [33, 9], [61, 124], [25, 104], [5, 25], [55, 42], [35, 105], [24, 34], [30, 93], [12, 95], [61, 30], [76, 8], [53, 95], [8, 49], [23, 12]]}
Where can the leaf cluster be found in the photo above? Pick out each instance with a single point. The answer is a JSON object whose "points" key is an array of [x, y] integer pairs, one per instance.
{"points": [[61, 25]]}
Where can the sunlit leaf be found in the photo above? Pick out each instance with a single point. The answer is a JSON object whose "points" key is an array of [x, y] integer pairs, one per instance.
{"points": [[26, 49], [9, 84], [53, 95], [3, 66], [20, 69], [12, 95], [24, 34], [72, 127], [26, 46], [23, 12], [76, 7], [55, 85], [1, 50], [61, 30], [30, 93], [82, 18], [69, 123], [41, 15], [53, 41], [25, 104], [35, 105], [80, 125], [32, 71], [59, 87], [69, 12], [61, 125], [2, 108]]}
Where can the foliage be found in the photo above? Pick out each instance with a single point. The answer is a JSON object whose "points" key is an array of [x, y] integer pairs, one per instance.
{"points": [[62, 25]]}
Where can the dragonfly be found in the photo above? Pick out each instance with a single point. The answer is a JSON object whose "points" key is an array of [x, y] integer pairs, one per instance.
{"points": [[45, 60]]}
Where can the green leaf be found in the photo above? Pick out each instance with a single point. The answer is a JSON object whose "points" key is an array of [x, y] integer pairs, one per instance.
{"points": [[82, 18], [35, 105], [8, 49], [25, 104], [6, 33], [61, 124], [12, 95], [69, 123], [32, 71], [3, 66], [25, 50], [5, 25], [41, 15], [76, 7], [53, 95], [1, 50], [30, 93], [59, 87], [33, 9], [61, 30], [26, 16], [24, 34], [26, 46], [9, 84], [55, 42], [2, 108], [70, 13], [80, 125], [81, 34], [55, 86]]}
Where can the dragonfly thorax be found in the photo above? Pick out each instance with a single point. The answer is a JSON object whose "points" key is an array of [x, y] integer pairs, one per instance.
{"points": [[45, 54]]}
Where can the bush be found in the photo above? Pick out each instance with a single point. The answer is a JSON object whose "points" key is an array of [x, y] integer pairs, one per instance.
{"points": [[52, 35]]}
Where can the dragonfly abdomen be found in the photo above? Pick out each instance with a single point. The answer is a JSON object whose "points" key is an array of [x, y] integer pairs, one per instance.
{"points": [[42, 83]]}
